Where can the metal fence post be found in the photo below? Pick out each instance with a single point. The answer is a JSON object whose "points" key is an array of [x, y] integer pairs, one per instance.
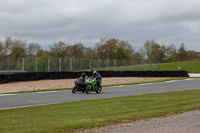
{"points": [[70, 64], [80, 63], [48, 64], [107, 63], [142, 65], [150, 65], [22, 64], [99, 63], [133, 65], [60, 61], [90, 64], [8, 65], [36, 67], [124, 64]]}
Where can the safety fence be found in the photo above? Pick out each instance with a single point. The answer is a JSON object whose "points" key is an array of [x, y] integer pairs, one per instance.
{"points": [[47, 64]]}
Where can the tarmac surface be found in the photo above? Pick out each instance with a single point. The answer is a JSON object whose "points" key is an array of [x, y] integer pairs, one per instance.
{"points": [[9, 101]]}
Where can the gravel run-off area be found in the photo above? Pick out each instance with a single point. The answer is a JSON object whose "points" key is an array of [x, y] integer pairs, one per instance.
{"points": [[188, 122], [65, 83]]}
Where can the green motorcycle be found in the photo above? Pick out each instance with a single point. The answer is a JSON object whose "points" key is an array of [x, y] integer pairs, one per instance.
{"points": [[92, 86]]}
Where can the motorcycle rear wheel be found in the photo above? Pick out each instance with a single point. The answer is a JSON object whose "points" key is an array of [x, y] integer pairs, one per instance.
{"points": [[88, 90]]}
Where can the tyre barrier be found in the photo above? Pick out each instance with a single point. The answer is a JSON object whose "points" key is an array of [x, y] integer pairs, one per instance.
{"points": [[32, 76]]}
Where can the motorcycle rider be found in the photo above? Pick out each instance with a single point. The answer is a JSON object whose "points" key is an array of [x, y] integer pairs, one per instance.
{"points": [[96, 75], [84, 77], [80, 84]]}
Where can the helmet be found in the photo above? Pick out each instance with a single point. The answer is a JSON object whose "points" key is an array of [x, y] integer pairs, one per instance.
{"points": [[83, 74], [95, 73]]}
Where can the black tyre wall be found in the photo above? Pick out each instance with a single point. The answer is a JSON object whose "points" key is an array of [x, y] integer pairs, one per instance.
{"points": [[32, 76]]}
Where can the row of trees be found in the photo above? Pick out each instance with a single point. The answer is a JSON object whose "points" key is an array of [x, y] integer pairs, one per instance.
{"points": [[106, 48], [164, 53]]}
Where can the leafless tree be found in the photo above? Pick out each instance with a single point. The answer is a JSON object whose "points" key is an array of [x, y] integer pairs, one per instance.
{"points": [[59, 49], [33, 48]]}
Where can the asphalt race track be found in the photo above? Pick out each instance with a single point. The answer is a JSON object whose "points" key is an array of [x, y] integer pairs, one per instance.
{"points": [[9, 101]]}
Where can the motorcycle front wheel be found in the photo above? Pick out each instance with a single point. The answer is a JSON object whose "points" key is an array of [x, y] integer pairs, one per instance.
{"points": [[74, 90], [98, 90]]}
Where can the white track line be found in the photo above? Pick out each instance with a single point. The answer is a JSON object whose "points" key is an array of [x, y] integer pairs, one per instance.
{"points": [[28, 106], [38, 101], [1, 95], [190, 79], [46, 92], [7, 95], [171, 81], [117, 86]]}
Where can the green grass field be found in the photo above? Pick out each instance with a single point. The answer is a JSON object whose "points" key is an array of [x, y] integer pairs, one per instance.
{"points": [[144, 67], [82, 114], [190, 66]]}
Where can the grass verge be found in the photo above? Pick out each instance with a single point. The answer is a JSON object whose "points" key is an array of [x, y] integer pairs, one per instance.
{"points": [[190, 66], [82, 114]]}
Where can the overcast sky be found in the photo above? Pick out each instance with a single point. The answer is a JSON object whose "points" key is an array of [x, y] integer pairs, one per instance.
{"points": [[72, 21]]}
